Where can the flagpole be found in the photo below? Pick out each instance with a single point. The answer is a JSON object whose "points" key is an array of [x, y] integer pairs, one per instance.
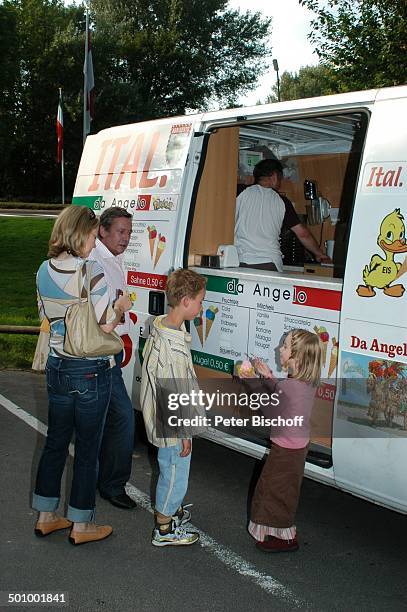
{"points": [[62, 161], [63, 178], [85, 79]]}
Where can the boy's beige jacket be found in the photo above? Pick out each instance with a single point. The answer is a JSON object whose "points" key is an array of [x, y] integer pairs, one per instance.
{"points": [[166, 357]]}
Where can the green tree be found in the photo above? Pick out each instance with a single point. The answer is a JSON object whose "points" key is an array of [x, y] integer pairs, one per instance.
{"points": [[43, 51], [363, 41], [152, 58], [9, 70], [164, 57], [308, 82]]}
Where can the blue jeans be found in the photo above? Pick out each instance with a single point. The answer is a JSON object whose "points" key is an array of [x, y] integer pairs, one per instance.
{"points": [[173, 479], [78, 396], [116, 451]]}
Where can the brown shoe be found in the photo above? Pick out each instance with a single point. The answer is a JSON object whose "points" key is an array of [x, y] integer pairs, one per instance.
{"points": [[276, 545], [100, 532], [43, 529]]}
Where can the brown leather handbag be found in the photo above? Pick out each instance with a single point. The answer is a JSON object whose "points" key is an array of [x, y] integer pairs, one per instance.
{"points": [[83, 334]]}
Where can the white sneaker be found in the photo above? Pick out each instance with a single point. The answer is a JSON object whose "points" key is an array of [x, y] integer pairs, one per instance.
{"points": [[178, 536], [182, 516]]}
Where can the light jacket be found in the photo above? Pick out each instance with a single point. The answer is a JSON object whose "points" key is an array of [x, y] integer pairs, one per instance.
{"points": [[167, 368]]}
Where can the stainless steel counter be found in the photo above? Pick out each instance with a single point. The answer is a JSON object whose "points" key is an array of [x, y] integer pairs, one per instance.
{"points": [[290, 275]]}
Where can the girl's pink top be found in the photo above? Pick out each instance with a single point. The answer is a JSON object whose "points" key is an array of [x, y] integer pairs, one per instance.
{"points": [[296, 400]]}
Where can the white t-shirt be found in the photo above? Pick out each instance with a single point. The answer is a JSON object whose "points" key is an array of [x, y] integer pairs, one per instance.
{"points": [[259, 217], [115, 277]]}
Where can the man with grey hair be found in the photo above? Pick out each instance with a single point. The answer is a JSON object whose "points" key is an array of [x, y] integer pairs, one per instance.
{"points": [[261, 212], [116, 452]]}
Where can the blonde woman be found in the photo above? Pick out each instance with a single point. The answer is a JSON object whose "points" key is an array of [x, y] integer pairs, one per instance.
{"points": [[277, 492], [78, 389]]}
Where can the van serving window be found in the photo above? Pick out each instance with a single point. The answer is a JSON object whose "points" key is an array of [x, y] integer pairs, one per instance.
{"points": [[323, 150]]}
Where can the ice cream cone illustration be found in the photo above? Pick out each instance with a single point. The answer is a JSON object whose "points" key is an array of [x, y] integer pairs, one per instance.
{"points": [[324, 339], [152, 235], [198, 322], [210, 317], [160, 249], [333, 360]]}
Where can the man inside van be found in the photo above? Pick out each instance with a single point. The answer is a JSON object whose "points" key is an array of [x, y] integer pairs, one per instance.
{"points": [[116, 452], [260, 214]]}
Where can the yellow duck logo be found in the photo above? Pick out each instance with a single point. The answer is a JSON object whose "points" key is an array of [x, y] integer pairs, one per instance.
{"points": [[381, 272]]}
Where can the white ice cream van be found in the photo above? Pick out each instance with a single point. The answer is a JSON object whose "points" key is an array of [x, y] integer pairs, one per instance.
{"points": [[180, 177]]}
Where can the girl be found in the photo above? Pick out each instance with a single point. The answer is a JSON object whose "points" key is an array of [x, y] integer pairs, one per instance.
{"points": [[277, 492]]}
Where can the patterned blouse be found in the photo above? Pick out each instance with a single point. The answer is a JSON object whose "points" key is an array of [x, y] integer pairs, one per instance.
{"points": [[58, 285]]}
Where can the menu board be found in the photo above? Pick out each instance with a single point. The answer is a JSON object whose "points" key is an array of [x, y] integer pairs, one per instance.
{"points": [[249, 318]]}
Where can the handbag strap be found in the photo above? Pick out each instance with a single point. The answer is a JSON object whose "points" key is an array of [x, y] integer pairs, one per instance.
{"points": [[80, 276], [88, 270]]}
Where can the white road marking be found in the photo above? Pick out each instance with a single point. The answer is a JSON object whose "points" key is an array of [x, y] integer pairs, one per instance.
{"points": [[31, 420], [229, 558], [28, 418], [224, 554]]}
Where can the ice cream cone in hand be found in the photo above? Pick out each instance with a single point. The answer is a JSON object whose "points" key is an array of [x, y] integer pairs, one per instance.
{"points": [[245, 369], [160, 249]]}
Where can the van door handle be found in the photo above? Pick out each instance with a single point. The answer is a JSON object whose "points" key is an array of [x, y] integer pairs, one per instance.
{"points": [[156, 302], [318, 458]]}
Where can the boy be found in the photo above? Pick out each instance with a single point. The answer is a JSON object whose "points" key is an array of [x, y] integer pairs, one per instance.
{"points": [[167, 357]]}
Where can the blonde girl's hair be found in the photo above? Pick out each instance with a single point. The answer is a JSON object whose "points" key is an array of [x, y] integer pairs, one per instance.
{"points": [[306, 350], [71, 230]]}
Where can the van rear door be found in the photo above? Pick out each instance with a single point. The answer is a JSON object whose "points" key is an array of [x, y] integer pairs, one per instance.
{"points": [[370, 428]]}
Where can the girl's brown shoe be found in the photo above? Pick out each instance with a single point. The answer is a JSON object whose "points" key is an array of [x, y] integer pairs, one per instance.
{"points": [[100, 532], [43, 529], [276, 545]]}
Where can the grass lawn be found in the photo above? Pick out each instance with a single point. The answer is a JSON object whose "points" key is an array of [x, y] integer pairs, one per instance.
{"points": [[17, 351], [23, 246], [30, 205]]}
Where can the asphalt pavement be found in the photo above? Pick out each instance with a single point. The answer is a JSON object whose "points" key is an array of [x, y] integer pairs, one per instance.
{"points": [[352, 554]]}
